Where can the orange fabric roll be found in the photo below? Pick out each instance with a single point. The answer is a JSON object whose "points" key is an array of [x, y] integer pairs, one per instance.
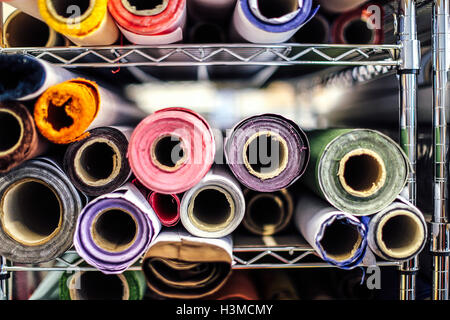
{"points": [[65, 111]]}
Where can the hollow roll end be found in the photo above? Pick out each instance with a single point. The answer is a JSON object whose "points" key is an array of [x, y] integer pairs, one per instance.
{"points": [[97, 286]]}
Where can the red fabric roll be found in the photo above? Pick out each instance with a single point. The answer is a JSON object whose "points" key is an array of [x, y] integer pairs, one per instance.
{"points": [[167, 208], [171, 150], [164, 22]]}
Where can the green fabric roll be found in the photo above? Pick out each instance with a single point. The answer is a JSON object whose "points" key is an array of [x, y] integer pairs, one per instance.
{"points": [[359, 171], [135, 283]]}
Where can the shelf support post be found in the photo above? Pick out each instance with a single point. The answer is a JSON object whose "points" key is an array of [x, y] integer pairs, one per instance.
{"points": [[407, 72], [440, 227]]}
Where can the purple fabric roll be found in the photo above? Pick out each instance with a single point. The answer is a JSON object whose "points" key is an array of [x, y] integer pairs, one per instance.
{"points": [[115, 230], [267, 153]]}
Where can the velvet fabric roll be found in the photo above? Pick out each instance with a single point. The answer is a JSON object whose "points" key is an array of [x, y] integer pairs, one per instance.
{"points": [[171, 150], [167, 208], [214, 207], [338, 237], [397, 233], [267, 213], [239, 286], [25, 78], [94, 285], [98, 164], [67, 111], [359, 171], [85, 22], [269, 21], [114, 230], [19, 140], [354, 27], [150, 23], [38, 212], [178, 265], [267, 153]]}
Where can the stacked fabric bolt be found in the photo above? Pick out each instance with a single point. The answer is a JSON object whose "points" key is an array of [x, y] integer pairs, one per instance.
{"points": [[102, 22]]}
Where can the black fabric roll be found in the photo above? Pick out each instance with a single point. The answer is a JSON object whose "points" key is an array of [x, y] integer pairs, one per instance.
{"points": [[38, 212], [98, 164]]}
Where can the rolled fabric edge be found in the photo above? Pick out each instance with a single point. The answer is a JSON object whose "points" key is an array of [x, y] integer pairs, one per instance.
{"points": [[163, 204]]}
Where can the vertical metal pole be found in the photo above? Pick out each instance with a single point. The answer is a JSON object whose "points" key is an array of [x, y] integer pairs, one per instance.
{"points": [[410, 55], [440, 228], [3, 280]]}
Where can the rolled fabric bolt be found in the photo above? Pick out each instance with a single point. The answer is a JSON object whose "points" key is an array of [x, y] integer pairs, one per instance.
{"points": [[171, 150], [25, 77], [340, 5], [114, 230], [84, 22], [150, 22], [317, 30], [23, 30], [178, 265], [94, 285], [38, 212], [269, 21], [239, 286], [211, 10], [207, 33], [398, 232], [19, 139], [355, 27], [67, 111], [267, 213], [359, 171], [267, 153], [30, 7], [215, 206], [339, 238], [167, 208], [98, 164]]}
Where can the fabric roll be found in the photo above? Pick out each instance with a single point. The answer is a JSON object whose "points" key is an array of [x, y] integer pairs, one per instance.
{"points": [[354, 27], [267, 153], [152, 22], [30, 7], [340, 5], [317, 30], [359, 171], [25, 78], [267, 213], [98, 164], [94, 285], [178, 265], [215, 11], [276, 285], [23, 30], [397, 233], [86, 22], [270, 21], [167, 208], [114, 230], [171, 150], [214, 207], [20, 140], [67, 111], [339, 238], [38, 212], [239, 286]]}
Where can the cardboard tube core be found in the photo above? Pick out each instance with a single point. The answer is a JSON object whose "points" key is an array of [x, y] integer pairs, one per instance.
{"points": [[266, 154], [400, 234], [98, 162], [211, 208], [357, 32], [98, 286], [362, 173], [37, 33], [145, 7], [275, 8], [265, 213], [168, 153], [114, 230], [341, 240], [31, 212], [11, 131], [69, 11]]}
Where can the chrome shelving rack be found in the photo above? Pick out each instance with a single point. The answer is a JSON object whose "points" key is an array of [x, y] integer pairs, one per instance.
{"points": [[403, 56]]}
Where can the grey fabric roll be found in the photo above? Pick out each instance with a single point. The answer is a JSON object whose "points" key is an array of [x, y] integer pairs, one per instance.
{"points": [[215, 207], [38, 212]]}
